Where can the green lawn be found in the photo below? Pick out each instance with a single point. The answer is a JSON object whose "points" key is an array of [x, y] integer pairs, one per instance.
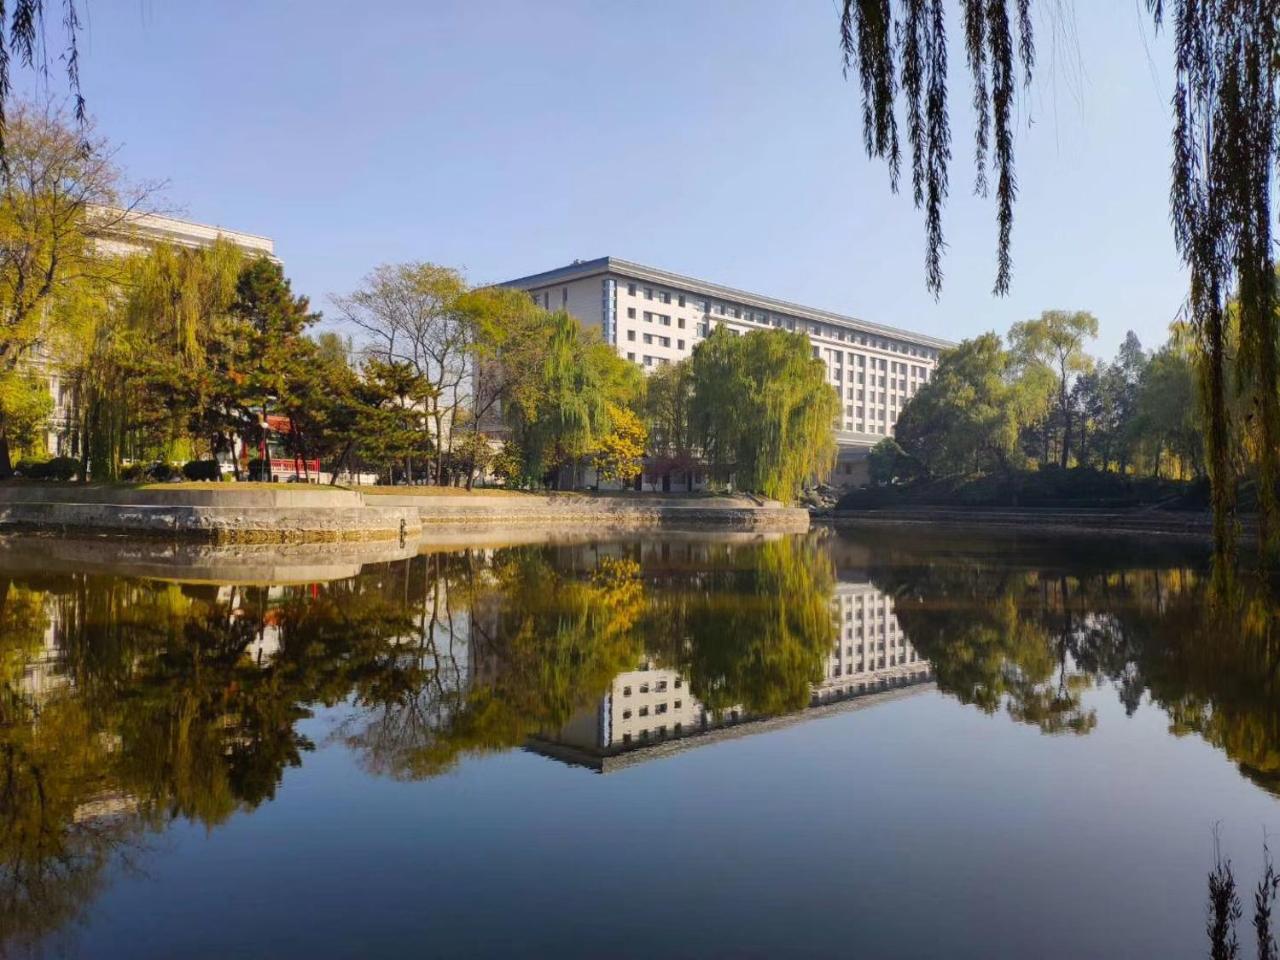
{"points": [[440, 491]]}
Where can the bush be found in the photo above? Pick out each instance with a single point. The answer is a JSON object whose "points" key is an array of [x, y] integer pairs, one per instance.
{"points": [[61, 468], [202, 470], [134, 472], [31, 469], [259, 470], [159, 472]]}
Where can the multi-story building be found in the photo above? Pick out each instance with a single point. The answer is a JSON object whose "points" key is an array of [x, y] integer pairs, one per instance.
{"points": [[653, 317], [124, 233]]}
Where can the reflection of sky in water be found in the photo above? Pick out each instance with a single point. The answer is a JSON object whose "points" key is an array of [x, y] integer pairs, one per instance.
{"points": [[891, 820]]}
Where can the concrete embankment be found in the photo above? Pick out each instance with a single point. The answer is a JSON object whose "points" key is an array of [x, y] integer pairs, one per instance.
{"points": [[216, 514], [194, 562], [560, 511], [1168, 524], [253, 513]]}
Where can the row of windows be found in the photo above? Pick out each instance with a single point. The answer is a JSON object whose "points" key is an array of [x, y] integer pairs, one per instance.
{"points": [[658, 708], [830, 331], [660, 732], [653, 338], [659, 686], [649, 361]]}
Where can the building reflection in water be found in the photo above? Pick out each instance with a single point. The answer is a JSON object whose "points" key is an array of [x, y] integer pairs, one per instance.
{"points": [[650, 712]]}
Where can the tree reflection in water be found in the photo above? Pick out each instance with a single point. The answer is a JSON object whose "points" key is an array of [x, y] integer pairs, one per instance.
{"points": [[126, 704]]}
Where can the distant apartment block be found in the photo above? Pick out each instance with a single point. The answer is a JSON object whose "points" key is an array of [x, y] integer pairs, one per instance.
{"points": [[654, 317]]}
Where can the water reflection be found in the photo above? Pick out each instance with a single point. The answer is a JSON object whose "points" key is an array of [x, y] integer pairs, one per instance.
{"points": [[129, 702]]}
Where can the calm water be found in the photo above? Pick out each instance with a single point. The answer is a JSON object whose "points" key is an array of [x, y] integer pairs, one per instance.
{"points": [[865, 744]]}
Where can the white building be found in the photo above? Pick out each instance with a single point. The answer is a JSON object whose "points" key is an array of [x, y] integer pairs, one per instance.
{"points": [[653, 317]]}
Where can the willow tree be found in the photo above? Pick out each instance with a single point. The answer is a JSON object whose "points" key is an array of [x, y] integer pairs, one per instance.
{"points": [[762, 410], [1225, 143], [146, 375], [561, 411], [60, 192]]}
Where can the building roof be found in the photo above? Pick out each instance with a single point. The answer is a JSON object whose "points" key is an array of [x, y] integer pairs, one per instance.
{"points": [[136, 227], [582, 269]]}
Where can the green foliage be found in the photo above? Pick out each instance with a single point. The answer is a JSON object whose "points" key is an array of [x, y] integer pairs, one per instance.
{"points": [[762, 410], [1054, 345], [202, 470], [57, 468], [25, 405], [967, 419], [474, 453], [888, 463], [1037, 487], [507, 465], [559, 411]]}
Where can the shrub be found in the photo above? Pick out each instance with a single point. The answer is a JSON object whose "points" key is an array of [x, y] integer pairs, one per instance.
{"points": [[32, 469], [133, 472], [202, 470], [159, 472], [62, 468], [259, 470]]}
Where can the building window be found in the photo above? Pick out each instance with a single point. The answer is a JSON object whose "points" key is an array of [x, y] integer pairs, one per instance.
{"points": [[631, 335], [648, 293], [680, 299], [631, 289], [631, 357], [626, 691], [664, 297], [631, 313], [564, 296], [680, 321], [626, 714], [680, 344]]}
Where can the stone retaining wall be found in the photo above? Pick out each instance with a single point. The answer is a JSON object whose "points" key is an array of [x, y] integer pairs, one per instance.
{"points": [[251, 515], [225, 514]]}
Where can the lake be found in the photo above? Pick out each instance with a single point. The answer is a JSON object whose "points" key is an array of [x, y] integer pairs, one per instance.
{"points": [[878, 743]]}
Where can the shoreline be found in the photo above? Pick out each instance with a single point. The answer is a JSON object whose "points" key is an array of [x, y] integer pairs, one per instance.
{"points": [[1070, 521], [293, 514]]}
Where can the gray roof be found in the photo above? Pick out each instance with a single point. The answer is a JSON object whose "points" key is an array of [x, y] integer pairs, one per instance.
{"points": [[581, 269]]}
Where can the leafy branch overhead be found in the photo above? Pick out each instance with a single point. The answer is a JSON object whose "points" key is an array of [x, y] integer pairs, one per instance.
{"points": [[898, 50]]}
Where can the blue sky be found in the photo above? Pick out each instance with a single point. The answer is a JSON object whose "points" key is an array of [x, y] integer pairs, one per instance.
{"points": [[712, 137]]}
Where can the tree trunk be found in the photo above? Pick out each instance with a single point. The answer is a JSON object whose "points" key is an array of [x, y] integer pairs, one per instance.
{"points": [[6, 463], [1066, 421]]}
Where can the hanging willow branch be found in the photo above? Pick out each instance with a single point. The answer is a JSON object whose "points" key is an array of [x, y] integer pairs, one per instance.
{"points": [[1224, 146], [902, 45], [24, 39], [1225, 143]]}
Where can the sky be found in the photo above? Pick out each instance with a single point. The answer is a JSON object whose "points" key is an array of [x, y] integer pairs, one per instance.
{"points": [[714, 138]]}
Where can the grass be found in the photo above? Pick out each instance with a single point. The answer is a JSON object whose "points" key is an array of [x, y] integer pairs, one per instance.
{"points": [[440, 491]]}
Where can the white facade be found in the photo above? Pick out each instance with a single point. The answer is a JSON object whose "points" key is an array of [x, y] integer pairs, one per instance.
{"points": [[653, 317]]}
